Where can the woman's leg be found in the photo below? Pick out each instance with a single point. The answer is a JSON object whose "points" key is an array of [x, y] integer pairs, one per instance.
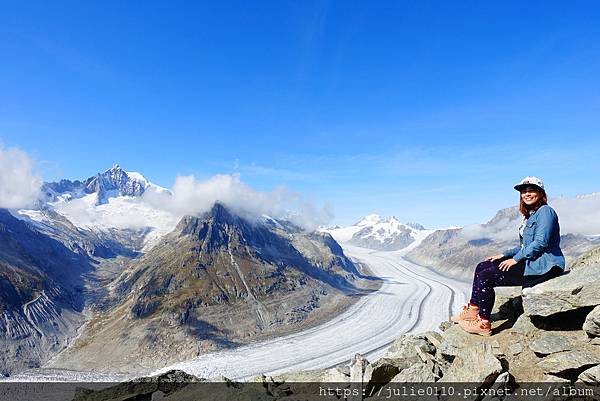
{"points": [[489, 276], [477, 282]]}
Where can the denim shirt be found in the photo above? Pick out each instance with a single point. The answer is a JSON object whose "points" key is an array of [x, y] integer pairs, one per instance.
{"points": [[540, 246]]}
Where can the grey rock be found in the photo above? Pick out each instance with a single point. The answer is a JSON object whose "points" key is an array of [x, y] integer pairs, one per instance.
{"points": [[515, 349], [590, 376], [496, 348], [550, 344], [312, 376], [590, 258], [523, 325], [592, 323], [404, 347], [445, 325], [361, 372], [434, 338], [335, 375], [476, 364], [572, 291], [455, 339], [418, 373], [360, 369], [567, 360]]}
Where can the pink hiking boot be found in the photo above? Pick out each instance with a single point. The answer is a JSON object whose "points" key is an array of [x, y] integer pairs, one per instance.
{"points": [[477, 326], [469, 312]]}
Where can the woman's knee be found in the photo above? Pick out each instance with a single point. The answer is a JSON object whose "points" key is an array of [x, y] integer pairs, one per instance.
{"points": [[485, 265]]}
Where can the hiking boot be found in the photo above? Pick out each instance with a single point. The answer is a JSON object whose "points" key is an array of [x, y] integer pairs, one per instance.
{"points": [[469, 312], [477, 326]]}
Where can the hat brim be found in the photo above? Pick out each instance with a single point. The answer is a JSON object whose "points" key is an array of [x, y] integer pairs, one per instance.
{"points": [[519, 187]]}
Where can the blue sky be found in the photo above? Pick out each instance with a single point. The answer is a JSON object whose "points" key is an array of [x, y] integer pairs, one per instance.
{"points": [[429, 111]]}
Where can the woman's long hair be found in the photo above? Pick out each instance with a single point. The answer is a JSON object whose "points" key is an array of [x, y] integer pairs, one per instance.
{"points": [[526, 210]]}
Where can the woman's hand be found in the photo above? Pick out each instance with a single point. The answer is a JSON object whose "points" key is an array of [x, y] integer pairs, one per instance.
{"points": [[507, 264], [495, 257]]}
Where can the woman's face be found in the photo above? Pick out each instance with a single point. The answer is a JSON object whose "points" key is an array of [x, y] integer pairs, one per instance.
{"points": [[530, 195]]}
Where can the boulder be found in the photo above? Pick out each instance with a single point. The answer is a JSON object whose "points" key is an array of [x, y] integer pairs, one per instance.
{"points": [[590, 376], [455, 338], [565, 361], [335, 375], [592, 323], [418, 373], [433, 337], [360, 369], [475, 364], [523, 325], [445, 325], [404, 347], [515, 349], [575, 290], [361, 372], [550, 344]]}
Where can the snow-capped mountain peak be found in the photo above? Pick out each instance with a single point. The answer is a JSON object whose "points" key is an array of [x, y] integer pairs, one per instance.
{"points": [[111, 183], [375, 232], [112, 199], [369, 220]]}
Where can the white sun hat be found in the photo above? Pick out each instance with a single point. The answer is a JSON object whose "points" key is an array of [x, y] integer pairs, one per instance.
{"points": [[530, 180]]}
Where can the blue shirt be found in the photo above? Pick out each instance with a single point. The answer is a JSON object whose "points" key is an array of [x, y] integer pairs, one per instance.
{"points": [[540, 246]]}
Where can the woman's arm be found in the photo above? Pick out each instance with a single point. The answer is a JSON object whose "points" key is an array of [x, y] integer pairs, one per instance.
{"points": [[545, 223], [511, 252]]}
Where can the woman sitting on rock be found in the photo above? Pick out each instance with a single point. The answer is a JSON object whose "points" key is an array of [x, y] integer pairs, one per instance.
{"points": [[536, 260]]}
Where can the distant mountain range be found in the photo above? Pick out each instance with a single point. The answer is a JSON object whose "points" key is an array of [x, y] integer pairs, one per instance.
{"points": [[153, 288], [159, 292], [373, 232]]}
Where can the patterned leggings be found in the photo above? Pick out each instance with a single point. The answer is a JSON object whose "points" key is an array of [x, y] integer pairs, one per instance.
{"points": [[487, 276]]}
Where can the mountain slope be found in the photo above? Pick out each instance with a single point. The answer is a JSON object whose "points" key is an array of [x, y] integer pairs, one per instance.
{"points": [[40, 294], [217, 280]]}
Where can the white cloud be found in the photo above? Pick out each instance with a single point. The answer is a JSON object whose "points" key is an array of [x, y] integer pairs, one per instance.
{"points": [[504, 229], [19, 186], [576, 215], [579, 215], [162, 209], [190, 196]]}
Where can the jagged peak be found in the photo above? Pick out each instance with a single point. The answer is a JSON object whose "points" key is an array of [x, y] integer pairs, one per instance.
{"points": [[414, 225]]}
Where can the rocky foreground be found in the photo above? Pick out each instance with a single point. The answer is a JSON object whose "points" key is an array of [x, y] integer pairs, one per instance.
{"points": [[548, 334]]}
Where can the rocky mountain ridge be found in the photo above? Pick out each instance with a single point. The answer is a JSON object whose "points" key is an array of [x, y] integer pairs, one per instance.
{"points": [[112, 182], [217, 280]]}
